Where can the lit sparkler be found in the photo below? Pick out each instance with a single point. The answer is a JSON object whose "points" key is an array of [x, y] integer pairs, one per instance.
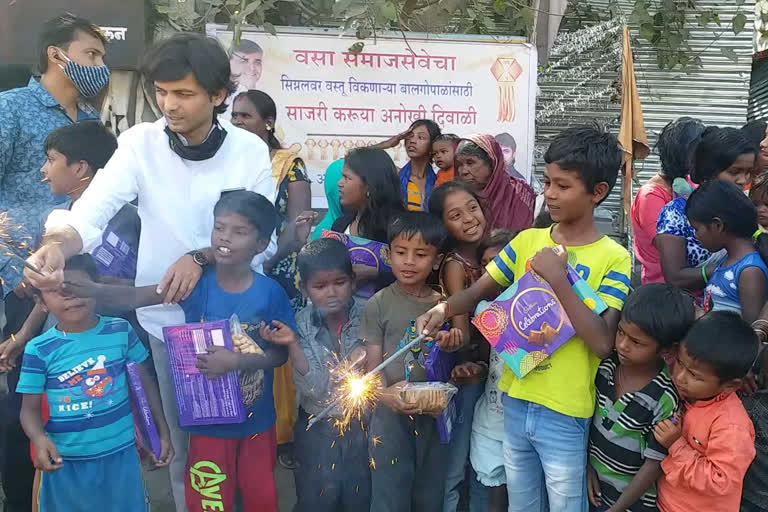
{"points": [[356, 392]]}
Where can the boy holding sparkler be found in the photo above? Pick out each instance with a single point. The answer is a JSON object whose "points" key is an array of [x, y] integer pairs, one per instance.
{"points": [[333, 472], [406, 457]]}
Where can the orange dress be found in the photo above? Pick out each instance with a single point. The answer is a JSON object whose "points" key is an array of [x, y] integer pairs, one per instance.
{"points": [[444, 175]]}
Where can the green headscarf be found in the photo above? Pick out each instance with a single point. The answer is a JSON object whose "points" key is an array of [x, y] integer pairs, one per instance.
{"points": [[332, 177]]}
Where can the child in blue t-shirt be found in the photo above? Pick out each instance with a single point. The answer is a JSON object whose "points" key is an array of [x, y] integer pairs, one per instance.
{"points": [[724, 218], [222, 459], [88, 442]]}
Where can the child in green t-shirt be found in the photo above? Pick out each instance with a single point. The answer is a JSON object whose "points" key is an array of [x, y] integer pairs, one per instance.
{"points": [[406, 457]]}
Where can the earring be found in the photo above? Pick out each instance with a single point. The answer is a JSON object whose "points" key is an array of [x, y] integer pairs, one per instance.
{"points": [[269, 127]]}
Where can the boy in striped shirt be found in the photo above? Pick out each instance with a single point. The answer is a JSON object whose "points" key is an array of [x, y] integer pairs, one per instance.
{"points": [[88, 442], [634, 393]]}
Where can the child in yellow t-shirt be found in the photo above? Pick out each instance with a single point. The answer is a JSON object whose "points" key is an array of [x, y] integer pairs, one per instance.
{"points": [[547, 413]]}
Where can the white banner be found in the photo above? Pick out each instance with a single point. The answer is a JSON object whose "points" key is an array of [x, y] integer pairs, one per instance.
{"points": [[330, 99]]}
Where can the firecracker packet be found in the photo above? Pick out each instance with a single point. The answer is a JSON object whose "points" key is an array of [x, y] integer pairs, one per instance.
{"points": [[364, 252], [143, 420], [439, 365], [526, 323], [200, 400]]}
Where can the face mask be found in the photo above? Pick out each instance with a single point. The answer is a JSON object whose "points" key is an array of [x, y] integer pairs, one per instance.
{"points": [[207, 149], [88, 80]]}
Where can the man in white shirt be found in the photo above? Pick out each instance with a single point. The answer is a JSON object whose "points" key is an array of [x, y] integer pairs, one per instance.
{"points": [[177, 167]]}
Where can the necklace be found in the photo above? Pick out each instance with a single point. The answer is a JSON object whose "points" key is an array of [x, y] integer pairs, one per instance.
{"points": [[416, 295], [619, 383]]}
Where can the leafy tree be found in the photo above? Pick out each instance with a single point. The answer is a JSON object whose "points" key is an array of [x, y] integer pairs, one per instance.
{"points": [[664, 24]]}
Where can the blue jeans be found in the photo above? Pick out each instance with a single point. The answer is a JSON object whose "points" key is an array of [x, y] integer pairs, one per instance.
{"points": [[458, 454], [545, 458], [410, 463], [333, 473]]}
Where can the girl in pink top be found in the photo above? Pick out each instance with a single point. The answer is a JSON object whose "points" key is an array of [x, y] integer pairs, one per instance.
{"points": [[674, 146]]}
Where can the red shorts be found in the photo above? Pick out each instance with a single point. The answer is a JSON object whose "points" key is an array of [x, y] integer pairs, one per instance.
{"points": [[217, 467]]}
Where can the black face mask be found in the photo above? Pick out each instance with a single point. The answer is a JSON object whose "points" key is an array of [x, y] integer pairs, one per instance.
{"points": [[202, 151]]}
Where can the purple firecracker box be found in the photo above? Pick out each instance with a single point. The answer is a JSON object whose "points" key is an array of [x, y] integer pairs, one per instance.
{"points": [[200, 400], [446, 421], [142, 414], [439, 364], [363, 252]]}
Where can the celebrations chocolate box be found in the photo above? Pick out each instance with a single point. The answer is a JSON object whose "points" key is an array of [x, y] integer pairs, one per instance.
{"points": [[527, 323]]}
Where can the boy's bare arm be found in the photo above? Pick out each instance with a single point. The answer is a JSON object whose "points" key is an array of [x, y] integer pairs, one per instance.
{"points": [[649, 472], [32, 417], [274, 356], [462, 303], [280, 334], [47, 457], [114, 297], [156, 406]]}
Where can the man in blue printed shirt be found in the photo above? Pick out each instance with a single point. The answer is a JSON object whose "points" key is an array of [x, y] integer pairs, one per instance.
{"points": [[72, 53], [71, 60]]}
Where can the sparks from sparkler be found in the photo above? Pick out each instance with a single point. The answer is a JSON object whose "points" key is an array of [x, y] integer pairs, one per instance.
{"points": [[357, 393], [357, 390], [6, 242]]}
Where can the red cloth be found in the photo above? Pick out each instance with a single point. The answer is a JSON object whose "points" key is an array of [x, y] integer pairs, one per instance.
{"points": [[705, 467], [509, 201], [649, 201], [46, 413], [217, 467]]}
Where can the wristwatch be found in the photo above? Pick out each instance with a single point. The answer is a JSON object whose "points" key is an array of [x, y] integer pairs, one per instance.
{"points": [[199, 257]]}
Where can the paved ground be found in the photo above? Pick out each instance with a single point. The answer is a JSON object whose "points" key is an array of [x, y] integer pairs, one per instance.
{"points": [[159, 490]]}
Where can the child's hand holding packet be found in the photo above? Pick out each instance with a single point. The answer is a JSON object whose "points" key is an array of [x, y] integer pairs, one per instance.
{"points": [[550, 263]]}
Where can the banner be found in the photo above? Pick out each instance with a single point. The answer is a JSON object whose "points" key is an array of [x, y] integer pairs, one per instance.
{"points": [[331, 99]]}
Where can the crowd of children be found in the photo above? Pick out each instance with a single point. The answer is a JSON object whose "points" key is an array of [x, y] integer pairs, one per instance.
{"points": [[656, 403]]}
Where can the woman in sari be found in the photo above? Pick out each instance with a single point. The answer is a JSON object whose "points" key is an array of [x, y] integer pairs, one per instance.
{"points": [[256, 112], [508, 200]]}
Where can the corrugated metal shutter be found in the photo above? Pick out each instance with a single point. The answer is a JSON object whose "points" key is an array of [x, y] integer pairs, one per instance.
{"points": [[717, 93], [758, 90]]}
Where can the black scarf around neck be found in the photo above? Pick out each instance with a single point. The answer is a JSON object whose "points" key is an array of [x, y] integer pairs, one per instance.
{"points": [[202, 151]]}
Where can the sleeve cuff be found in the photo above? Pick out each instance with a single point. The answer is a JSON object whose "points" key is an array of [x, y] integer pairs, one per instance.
{"points": [[89, 235], [680, 445]]}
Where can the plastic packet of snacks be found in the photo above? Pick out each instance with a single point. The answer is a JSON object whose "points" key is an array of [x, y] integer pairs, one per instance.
{"points": [[429, 397], [251, 382], [243, 344]]}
